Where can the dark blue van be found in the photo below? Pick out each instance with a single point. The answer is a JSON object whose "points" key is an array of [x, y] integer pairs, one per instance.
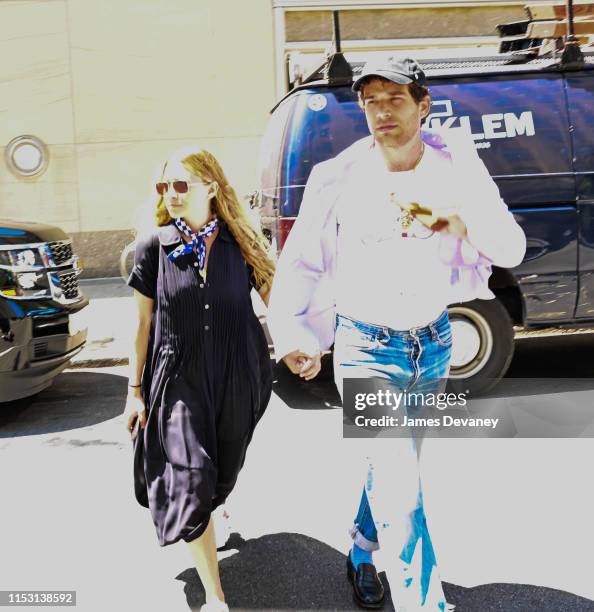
{"points": [[533, 125]]}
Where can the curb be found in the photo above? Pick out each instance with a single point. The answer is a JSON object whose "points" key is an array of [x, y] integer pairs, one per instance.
{"points": [[99, 362]]}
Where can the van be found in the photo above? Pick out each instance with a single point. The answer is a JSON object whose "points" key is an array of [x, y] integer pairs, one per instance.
{"points": [[532, 121]]}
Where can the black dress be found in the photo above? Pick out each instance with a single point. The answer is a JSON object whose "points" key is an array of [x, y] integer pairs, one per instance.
{"points": [[206, 382]]}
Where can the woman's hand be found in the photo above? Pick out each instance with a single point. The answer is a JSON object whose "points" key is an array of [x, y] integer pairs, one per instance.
{"points": [[135, 409], [307, 366], [311, 368]]}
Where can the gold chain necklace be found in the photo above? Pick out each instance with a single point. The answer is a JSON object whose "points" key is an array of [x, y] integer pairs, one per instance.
{"points": [[406, 218], [418, 161]]}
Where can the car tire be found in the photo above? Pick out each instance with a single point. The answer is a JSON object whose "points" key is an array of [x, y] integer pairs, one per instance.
{"points": [[482, 346]]}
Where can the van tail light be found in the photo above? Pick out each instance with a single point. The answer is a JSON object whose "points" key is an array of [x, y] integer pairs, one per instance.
{"points": [[284, 225]]}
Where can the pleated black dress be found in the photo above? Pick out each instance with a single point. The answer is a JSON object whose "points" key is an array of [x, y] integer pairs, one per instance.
{"points": [[206, 382]]}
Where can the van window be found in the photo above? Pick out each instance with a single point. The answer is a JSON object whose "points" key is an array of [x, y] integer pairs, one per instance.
{"points": [[324, 121], [272, 149]]}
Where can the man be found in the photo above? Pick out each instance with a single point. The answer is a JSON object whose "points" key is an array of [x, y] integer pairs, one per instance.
{"points": [[368, 269]]}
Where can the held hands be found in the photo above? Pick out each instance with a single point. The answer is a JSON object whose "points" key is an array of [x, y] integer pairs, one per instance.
{"points": [[307, 366], [135, 410]]}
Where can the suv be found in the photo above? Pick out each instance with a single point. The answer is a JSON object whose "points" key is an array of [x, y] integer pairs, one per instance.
{"points": [[40, 302], [532, 120]]}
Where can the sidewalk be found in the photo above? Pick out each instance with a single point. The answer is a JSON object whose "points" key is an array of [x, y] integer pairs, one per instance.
{"points": [[110, 320]]}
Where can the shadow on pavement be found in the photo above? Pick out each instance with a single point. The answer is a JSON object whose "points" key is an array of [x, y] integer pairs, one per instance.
{"points": [[76, 399], [283, 571], [514, 598], [289, 571], [559, 364], [565, 356]]}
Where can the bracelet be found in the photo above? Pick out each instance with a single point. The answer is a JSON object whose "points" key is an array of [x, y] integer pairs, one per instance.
{"points": [[134, 386]]}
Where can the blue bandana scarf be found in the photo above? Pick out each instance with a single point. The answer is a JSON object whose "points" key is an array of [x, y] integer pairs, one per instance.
{"points": [[197, 241]]}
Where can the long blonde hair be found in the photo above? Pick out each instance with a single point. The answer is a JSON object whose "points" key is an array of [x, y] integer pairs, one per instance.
{"points": [[227, 206]]}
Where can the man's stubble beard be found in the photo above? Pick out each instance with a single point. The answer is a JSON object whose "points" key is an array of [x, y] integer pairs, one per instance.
{"points": [[395, 141]]}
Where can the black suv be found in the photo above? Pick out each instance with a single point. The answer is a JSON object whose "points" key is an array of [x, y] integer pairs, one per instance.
{"points": [[40, 302]]}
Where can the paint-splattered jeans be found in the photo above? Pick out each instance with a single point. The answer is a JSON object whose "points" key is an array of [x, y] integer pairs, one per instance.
{"points": [[391, 509]]}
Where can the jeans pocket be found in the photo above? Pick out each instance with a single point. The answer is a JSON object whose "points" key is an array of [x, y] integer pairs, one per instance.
{"points": [[349, 334]]}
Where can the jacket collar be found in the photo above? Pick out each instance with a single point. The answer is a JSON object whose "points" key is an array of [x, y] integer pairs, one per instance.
{"points": [[170, 237]]}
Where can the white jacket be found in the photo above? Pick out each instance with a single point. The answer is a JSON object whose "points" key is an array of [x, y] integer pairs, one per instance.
{"points": [[301, 312]]}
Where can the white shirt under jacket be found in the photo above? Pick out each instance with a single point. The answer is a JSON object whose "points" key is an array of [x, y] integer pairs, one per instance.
{"points": [[346, 252]]}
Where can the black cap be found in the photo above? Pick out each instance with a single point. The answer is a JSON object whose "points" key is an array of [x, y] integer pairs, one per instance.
{"points": [[402, 71]]}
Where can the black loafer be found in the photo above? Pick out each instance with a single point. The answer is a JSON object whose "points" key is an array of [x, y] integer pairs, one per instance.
{"points": [[368, 590]]}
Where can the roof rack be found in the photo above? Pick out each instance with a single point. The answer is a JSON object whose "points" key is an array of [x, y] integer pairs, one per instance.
{"points": [[550, 28]]}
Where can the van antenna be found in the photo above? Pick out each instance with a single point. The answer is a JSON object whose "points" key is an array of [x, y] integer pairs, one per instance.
{"points": [[337, 71], [572, 54], [336, 32]]}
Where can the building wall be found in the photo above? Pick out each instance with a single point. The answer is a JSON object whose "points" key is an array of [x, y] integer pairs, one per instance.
{"points": [[412, 27], [420, 22], [112, 88]]}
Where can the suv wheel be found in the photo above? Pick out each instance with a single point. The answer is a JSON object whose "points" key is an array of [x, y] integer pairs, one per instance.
{"points": [[482, 347]]}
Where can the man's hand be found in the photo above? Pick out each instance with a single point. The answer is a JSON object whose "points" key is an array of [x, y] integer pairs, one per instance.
{"points": [[456, 227], [451, 224], [307, 366]]}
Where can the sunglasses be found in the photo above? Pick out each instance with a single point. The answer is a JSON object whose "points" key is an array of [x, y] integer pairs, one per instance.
{"points": [[425, 216], [178, 186]]}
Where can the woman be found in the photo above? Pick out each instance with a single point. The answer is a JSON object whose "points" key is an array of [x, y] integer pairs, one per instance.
{"points": [[200, 373]]}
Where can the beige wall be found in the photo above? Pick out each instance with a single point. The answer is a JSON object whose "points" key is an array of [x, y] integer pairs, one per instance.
{"points": [[113, 87], [35, 89], [419, 22]]}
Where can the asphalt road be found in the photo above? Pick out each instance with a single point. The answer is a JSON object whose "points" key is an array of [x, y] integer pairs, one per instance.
{"points": [[511, 520]]}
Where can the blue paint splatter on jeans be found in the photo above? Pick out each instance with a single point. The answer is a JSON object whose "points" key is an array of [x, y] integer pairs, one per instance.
{"points": [[370, 478], [419, 531]]}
